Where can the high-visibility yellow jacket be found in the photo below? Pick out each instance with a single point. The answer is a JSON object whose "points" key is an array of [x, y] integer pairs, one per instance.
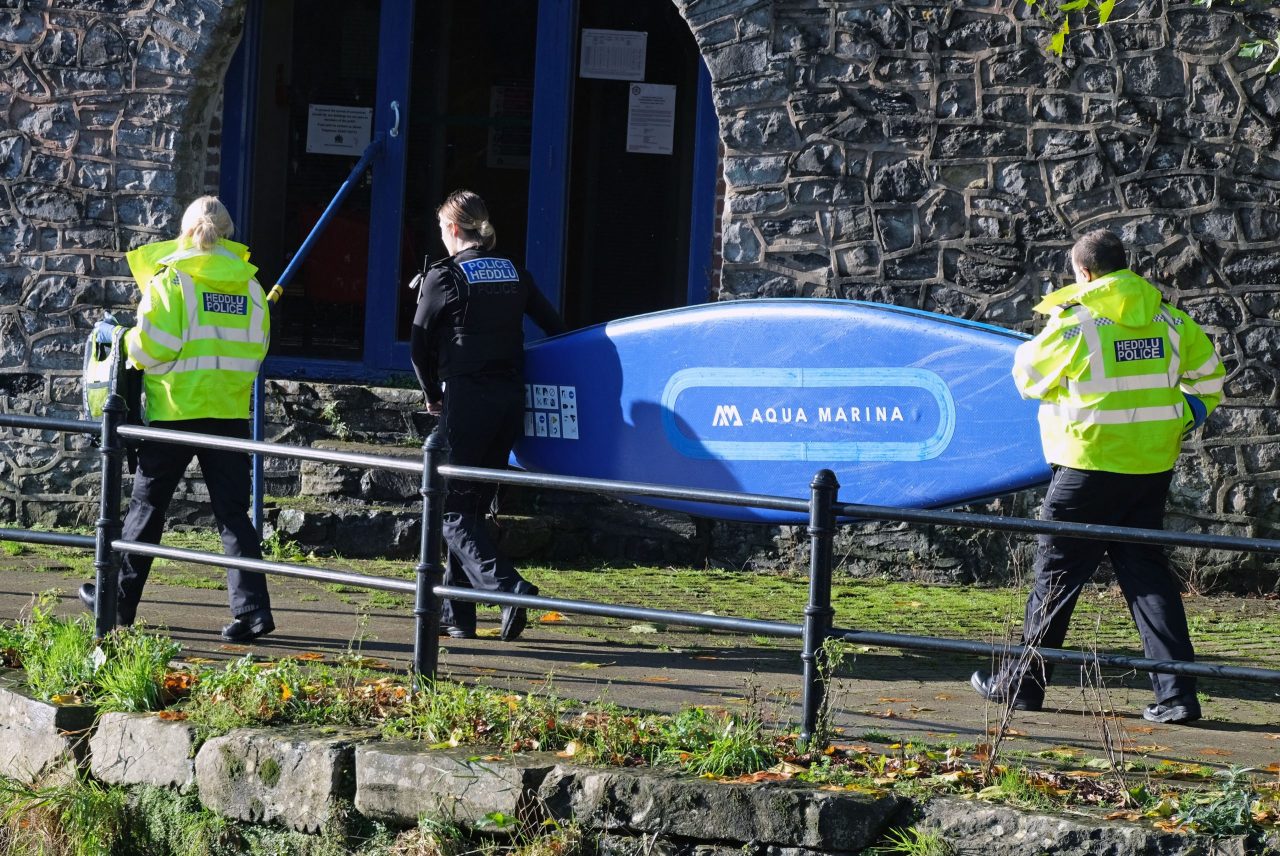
{"points": [[1111, 369], [202, 332]]}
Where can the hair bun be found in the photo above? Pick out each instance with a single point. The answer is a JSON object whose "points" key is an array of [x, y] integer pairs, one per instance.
{"points": [[485, 228]]}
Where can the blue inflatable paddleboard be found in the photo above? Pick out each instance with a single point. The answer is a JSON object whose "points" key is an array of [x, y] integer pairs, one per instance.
{"points": [[908, 408]]}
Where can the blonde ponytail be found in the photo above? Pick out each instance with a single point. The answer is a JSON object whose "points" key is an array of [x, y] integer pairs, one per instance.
{"points": [[468, 212], [205, 221]]}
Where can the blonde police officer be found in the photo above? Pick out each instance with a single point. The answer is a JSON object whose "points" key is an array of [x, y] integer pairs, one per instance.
{"points": [[202, 333], [1121, 376]]}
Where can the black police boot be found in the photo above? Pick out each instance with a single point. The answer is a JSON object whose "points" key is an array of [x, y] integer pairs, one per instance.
{"points": [[516, 618], [249, 626], [996, 688], [88, 594], [1178, 710]]}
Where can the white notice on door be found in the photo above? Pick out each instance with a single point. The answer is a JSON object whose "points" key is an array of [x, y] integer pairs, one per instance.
{"points": [[613, 54], [651, 120], [336, 130]]}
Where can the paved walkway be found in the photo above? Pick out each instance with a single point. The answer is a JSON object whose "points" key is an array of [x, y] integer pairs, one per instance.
{"points": [[880, 693]]}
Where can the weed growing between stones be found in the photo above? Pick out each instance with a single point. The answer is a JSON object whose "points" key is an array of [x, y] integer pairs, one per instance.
{"points": [[79, 818], [84, 818], [64, 663], [912, 842]]}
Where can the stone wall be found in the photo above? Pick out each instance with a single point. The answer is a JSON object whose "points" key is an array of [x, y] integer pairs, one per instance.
{"points": [[108, 107], [322, 780], [936, 156], [927, 154]]}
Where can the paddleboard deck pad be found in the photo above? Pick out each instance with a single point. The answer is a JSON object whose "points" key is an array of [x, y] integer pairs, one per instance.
{"points": [[907, 408]]}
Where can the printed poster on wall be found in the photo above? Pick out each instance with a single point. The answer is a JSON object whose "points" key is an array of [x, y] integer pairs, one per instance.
{"points": [[336, 130], [511, 109], [651, 119], [612, 54]]}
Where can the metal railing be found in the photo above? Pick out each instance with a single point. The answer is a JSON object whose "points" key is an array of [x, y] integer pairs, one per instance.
{"points": [[823, 510]]}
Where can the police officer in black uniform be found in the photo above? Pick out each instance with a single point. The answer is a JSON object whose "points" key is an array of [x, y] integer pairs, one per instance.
{"points": [[468, 352]]}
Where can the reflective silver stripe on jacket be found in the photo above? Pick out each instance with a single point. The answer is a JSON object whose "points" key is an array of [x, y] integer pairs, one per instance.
{"points": [[1096, 416], [162, 338], [196, 331], [1100, 383], [189, 364]]}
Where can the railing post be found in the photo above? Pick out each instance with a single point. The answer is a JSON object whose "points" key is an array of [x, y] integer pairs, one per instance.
{"points": [[106, 561], [818, 614], [426, 606]]}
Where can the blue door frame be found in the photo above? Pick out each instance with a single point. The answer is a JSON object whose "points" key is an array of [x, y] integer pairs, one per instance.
{"points": [[548, 176]]}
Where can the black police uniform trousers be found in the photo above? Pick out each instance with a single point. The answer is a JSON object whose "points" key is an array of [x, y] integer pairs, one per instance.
{"points": [[483, 416], [1064, 565], [226, 475]]}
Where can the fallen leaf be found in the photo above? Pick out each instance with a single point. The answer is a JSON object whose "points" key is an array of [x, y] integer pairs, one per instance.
{"points": [[172, 715], [1210, 750], [657, 679], [236, 649], [1149, 748], [65, 698], [1271, 736], [942, 697], [887, 700], [309, 656], [551, 617], [589, 665], [643, 628], [1123, 815], [705, 657], [761, 776], [489, 633], [201, 660], [1141, 729], [1273, 767], [573, 747]]}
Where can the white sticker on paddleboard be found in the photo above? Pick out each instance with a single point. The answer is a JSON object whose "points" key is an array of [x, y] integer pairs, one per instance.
{"points": [[551, 411]]}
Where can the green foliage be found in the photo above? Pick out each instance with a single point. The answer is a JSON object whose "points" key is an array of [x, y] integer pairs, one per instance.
{"points": [[57, 653], [278, 548], [13, 548], [81, 818], [719, 744], [1060, 13], [446, 713], [1223, 812], [243, 693], [63, 660], [913, 842], [130, 677], [337, 425]]}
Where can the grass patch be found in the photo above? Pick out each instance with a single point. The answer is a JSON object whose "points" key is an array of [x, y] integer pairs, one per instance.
{"points": [[64, 663], [82, 818]]}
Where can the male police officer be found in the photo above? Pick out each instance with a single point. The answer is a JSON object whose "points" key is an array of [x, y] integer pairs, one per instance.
{"points": [[468, 352], [1121, 375]]}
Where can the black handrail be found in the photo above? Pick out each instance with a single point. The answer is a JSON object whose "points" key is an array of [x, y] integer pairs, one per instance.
{"points": [[824, 512]]}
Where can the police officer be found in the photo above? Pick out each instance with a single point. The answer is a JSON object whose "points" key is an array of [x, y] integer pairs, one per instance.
{"points": [[1121, 376], [468, 352], [202, 332]]}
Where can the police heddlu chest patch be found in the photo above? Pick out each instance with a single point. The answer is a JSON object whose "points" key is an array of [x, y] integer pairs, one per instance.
{"points": [[489, 270], [226, 304], [1129, 350]]}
